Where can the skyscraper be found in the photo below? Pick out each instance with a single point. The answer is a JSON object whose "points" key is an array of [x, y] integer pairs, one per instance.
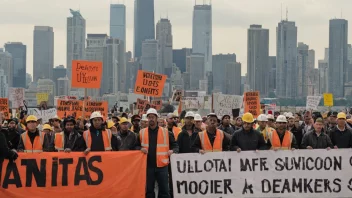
{"points": [[303, 69], [233, 78], [149, 59], [286, 60], [63, 86], [272, 75], [311, 59], [202, 34], [4, 87], [144, 26], [6, 65], [258, 59], [118, 21], [179, 57], [43, 52], [219, 72], [76, 38], [164, 37], [59, 72], [19, 58], [196, 72], [338, 37]]}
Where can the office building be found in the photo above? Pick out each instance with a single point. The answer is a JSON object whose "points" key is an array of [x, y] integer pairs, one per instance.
{"points": [[303, 70], [4, 87], [219, 70], [6, 65], [63, 86], [272, 74], [118, 22], [164, 38], [311, 59], [179, 57], [196, 70], [59, 72], [150, 58], [43, 52], [233, 78], [19, 58]]}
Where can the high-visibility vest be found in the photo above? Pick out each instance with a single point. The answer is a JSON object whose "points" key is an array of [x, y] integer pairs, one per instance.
{"points": [[162, 147], [37, 145], [206, 145], [266, 132], [176, 131], [59, 141], [106, 134], [276, 143]]}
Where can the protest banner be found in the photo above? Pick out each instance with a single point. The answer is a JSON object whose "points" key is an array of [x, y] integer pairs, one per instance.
{"points": [[42, 97], [16, 96], [45, 115], [57, 175], [86, 74], [312, 102], [252, 103], [149, 84], [4, 107], [193, 102], [223, 104], [274, 174], [328, 99], [75, 108], [176, 95], [156, 104]]}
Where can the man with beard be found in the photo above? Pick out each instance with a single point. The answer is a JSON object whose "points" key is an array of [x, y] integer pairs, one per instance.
{"points": [[161, 122], [12, 134], [238, 123], [292, 124], [198, 123], [135, 123], [316, 138], [127, 139], [281, 138], [271, 121], [56, 123], [263, 128], [332, 122], [225, 126], [172, 124], [68, 140], [144, 121], [188, 134]]}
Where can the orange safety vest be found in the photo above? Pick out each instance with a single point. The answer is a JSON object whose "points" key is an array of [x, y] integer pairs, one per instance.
{"points": [[206, 145], [176, 131], [59, 141], [276, 143], [162, 147], [37, 145], [266, 132], [106, 139]]}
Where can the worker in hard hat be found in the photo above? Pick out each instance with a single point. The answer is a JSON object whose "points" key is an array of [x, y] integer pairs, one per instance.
{"points": [[127, 138], [97, 138], [161, 122], [144, 121], [189, 133], [115, 119], [158, 143], [56, 124], [112, 127], [247, 138], [263, 127], [172, 125], [136, 123], [47, 128], [225, 125], [32, 140], [198, 123], [281, 138], [271, 121]]}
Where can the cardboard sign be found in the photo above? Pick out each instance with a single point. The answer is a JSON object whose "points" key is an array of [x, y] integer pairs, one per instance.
{"points": [[86, 74], [16, 96], [223, 104], [57, 175], [312, 102], [156, 104], [74, 108], [42, 97], [45, 115], [328, 99], [252, 103], [4, 107], [193, 102], [149, 84], [176, 95]]}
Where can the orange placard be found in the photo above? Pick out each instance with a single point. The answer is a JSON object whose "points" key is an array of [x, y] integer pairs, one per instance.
{"points": [[156, 104], [4, 107], [86, 74], [252, 103], [149, 84], [57, 175], [74, 108]]}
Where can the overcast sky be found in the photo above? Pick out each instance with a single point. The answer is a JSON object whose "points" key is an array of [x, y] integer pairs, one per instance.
{"points": [[231, 19]]}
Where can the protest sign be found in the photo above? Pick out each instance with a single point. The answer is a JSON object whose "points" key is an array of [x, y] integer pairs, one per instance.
{"points": [[57, 175], [149, 84], [312, 102], [16, 96], [42, 97], [193, 102], [223, 104], [252, 103], [75, 108], [328, 99], [279, 174], [176, 95], [45, 115], [4, 107], [86, 74], [156, 104]]}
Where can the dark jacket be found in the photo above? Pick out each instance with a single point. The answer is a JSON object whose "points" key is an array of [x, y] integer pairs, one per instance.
{"points": [[98, 142], [311, 139], [341, 139], [197, 145], [153, 135], [4, 150], [298, 133], [229, 129], [281, 136], [127, 141], [75, 142], [248, 141], [185, 141], [12, 137], [31, 137]]}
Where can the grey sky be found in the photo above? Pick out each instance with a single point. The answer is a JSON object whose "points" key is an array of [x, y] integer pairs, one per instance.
{"points": [[231, 18]]}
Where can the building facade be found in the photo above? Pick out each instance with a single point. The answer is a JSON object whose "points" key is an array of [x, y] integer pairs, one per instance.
{"points": [[19, 65], [164, 37], [303, 69], [118, 22], [196, 72], [179, 57], [219, 70], [6, 65], [150, 58], [233, 78]]}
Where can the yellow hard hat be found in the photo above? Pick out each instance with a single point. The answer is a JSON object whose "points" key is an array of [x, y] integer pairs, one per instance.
{"points": [[110, 124], [46, 126], [123, 120], [31, 118], [341, 115], [248, 117]]}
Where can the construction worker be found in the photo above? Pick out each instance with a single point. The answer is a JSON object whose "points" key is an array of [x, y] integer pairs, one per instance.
{"points": [[225, 126], [238, 123], [316, 138], [263, 128], [32, 140], [281, 138], [56, 124], [211, 139], [198, 123], [96, 137], [47, 129], [127, 139], [135, 123], [172, 125], [341, 135], [161, 122], [158, 143], [115, 119], [271, 121], [144, 121], [188, 134]]}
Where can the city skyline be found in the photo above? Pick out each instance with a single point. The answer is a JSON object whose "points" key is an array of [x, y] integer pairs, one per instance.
{"points": [[230, 23]]}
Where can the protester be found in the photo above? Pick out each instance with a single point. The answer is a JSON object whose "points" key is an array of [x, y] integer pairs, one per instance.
{"points": [[56, 123], [47, 129], [112, 127], [271, 121], [281, 138], [12, 134], [316, 139], [263, 128], [188, 134], [295, 129], [158, 143], [211, 139], [247, 139], [238, 124], [198, 123], [5, 152], [32, 140], [144, 121], [341, 135], [135, 123], [115, 119], [308, 124], [127, 139], [225, 125], [332, 121], [172, 124], [161, 122]]}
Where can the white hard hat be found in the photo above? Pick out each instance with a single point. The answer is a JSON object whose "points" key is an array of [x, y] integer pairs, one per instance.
{"points": [[96, 114], [281, 118], [189, 114], [262, 118], [152, 111], [270, 116], [197, 117], [285, 114], [289, 115], [144, 117]]}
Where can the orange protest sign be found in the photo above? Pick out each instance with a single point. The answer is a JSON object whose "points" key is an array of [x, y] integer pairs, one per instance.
{"points": [[252, 103], [149, 84], [74, 108], [4, 107], [99, 174], [156, 104], [86, 74]]}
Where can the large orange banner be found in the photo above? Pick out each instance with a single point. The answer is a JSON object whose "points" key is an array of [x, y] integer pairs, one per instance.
{"points": [[99, 174], [86, 74], [75, 108], [149, 83]]}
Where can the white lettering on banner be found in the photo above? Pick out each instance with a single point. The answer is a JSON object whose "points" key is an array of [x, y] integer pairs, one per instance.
{"points": [[223, 104], [45, 115], [313, 102], [275, 174], [16, 96]]}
